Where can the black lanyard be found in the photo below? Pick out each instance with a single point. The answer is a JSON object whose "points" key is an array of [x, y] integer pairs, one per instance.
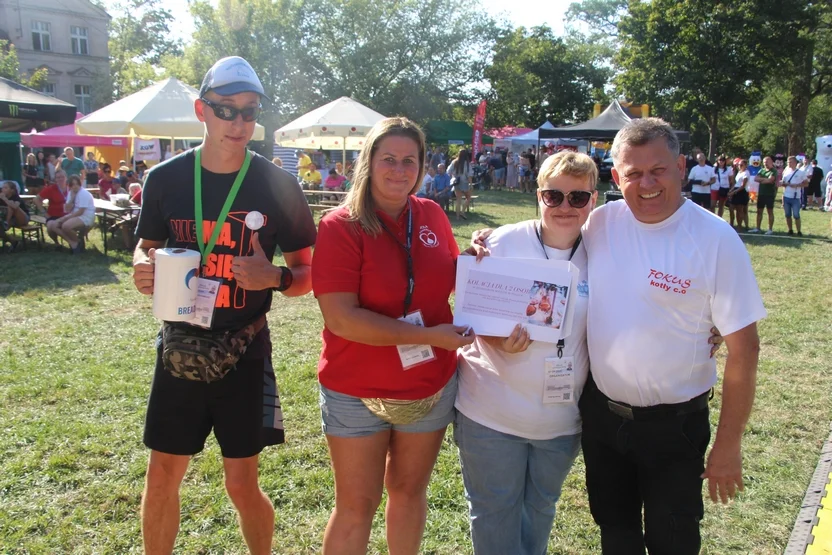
{"points": [[411, 280], [561, 342]]}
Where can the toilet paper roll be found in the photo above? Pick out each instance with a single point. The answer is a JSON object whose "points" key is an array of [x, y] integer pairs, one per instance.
{"points": [[175, 284]]}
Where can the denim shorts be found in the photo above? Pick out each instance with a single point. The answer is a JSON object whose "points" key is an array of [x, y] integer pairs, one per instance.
{"points": [[346, 416], [792, 207]]}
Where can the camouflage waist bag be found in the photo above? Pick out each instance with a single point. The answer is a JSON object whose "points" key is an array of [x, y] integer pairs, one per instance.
{"points": [[201, 355]]}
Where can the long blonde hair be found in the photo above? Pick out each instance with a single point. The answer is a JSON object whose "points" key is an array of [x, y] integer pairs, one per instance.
{"points": [[31, 159], [359, 201]]}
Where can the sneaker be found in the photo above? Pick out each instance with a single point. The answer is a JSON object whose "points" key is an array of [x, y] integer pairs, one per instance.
{"points": [[799, 234], [791, 232], [755, 230], [769, 232]]}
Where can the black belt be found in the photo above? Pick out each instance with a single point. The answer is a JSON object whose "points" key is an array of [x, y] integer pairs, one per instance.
{"points": [[656, 412]]}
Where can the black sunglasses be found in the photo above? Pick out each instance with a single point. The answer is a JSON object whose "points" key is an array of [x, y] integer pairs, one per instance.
{"points": [[554, 198], [229, 113]]}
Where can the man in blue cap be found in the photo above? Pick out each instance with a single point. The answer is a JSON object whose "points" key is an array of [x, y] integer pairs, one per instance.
{"points": [[235, 207]]}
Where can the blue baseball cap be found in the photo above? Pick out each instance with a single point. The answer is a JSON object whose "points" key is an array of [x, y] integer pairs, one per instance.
{"points": [[231, 75]]}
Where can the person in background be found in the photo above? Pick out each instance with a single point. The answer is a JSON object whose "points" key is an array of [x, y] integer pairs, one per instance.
{"points": [[79, 217], [304, 163], [72, 165], [91, 167], [511, 170], [498, 167], [701, 177], [724, 181], [57, 194], [135, 193], [141, 169], [794, 180], [334, 182], [460, 172], [51, 166], [436, 159], [106, 185], [41, 165], [738, 195], [339, 168], [427, 184], [32, 181], [277, 162], [441, 187], [313, 177], [525, 172], [814, 194], [382, 272], [121, 178], [17, 213], [767, 179]]}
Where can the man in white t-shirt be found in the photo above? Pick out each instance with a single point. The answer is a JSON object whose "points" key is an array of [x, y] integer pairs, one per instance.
{"points": [[794, 180], [701, 177], [80, 215], [427, 183], [678, 272]]}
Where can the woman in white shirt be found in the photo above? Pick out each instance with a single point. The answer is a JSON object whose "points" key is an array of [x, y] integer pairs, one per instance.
{"points": [[460, 171], [80, 215], [724, 182], [516, 449]]}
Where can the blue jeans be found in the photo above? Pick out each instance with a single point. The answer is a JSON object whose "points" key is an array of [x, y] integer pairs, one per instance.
{"points": [[512, 485], [792, 207]]}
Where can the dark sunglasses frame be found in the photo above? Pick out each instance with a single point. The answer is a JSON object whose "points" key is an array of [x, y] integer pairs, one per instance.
{"points": [[230, 113], [554, 198]]}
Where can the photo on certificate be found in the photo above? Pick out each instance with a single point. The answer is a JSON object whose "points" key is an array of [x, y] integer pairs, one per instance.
{"points": [[547, 304], [498, 293]]}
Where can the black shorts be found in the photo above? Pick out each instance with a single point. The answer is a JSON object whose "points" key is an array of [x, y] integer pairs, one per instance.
{"points": [[702, 199], [765, 201], [813, 190], [243, 408], [723, 193], [740, 198]]}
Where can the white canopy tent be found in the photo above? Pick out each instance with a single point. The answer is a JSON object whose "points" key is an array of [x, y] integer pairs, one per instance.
{"points": [[533, 138], [340, 125], [163, 110]]}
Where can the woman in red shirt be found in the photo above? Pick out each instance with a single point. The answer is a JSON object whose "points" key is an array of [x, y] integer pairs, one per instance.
{"points": [[383, 270]]}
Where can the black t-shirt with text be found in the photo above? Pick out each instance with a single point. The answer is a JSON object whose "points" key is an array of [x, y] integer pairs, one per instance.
{"points": [[168, 215]]}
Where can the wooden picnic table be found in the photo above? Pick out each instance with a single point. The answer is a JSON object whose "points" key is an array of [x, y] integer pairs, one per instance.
{"points": [[111, 216]]}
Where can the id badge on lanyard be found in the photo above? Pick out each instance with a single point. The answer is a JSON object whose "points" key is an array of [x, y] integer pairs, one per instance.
{"points": [[209, 288], [559, 382]]}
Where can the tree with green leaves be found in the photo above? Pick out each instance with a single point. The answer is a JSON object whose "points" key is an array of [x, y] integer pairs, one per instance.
{"points": [[696, 58], [139, 39], [536, 76], [10, 68]]}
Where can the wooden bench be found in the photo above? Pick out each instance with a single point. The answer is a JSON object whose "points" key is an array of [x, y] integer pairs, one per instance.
{"points": [[447, 204]]}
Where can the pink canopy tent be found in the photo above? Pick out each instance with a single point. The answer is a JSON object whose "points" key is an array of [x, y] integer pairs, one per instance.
{"points": [[66, 136], [507, 131]]}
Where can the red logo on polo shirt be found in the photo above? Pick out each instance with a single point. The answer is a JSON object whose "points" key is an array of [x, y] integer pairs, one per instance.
{"points": [[427, 237], [668, 282]]}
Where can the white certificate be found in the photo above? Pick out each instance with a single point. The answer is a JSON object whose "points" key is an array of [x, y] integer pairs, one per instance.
{"points": [[496, 294]]}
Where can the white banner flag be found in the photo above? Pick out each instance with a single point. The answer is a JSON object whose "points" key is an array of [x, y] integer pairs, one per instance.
{"points": [[146, 149]]}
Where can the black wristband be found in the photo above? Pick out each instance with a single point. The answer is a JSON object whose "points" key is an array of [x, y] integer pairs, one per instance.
{"points": [[286, 279]]}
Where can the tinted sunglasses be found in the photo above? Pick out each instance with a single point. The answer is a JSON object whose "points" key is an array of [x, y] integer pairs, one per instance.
{"points": [[230, 113], [554, 198]]}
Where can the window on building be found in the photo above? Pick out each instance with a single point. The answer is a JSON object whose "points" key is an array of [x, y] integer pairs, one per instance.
{"points": [[80, 45], [48, 89], [41, 36], [83, 99]]}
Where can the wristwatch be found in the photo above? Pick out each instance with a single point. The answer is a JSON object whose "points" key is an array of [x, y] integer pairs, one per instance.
{"points": [[286, 279]]}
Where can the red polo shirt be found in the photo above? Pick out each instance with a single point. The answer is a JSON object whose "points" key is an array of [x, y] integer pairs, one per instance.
{"points": [[348, 260], [56, 199]]}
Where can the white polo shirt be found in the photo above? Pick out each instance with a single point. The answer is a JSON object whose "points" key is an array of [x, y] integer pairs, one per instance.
{"points": [[703, 174], [792, 177], [657, 289], [504, 391]]}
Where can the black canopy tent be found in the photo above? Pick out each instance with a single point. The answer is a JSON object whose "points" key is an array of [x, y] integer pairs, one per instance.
{"points": [[602, 128], [22, 108]]}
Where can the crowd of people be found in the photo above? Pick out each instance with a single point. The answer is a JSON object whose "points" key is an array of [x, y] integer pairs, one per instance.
{"points": [[63, 189], [394, 371], [735, 186]]}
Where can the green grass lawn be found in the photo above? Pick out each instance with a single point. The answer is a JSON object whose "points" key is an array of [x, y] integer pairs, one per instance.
{"points": [[76, 355]]}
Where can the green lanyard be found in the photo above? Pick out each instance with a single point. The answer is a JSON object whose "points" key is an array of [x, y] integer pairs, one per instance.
{"points": [[204, 249]]}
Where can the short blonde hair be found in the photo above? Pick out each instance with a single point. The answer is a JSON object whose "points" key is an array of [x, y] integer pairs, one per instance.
{"points": [[277, 162], [359, 201], [567, 162]]}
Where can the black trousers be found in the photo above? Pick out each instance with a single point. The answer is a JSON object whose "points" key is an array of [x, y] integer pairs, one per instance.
{"points": [[654, 465]]}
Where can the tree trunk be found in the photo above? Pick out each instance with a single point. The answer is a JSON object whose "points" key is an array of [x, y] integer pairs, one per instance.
{"points": [[712, 120], [801, 95]]}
